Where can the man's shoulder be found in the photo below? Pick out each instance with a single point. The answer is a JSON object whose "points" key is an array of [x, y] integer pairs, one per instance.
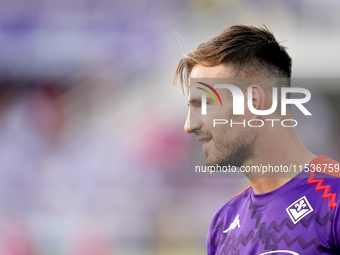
{"points": [[325, 188], [325, 175]]}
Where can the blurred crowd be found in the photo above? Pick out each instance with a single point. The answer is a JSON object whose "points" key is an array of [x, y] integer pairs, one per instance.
{"points": [[93, 156]]}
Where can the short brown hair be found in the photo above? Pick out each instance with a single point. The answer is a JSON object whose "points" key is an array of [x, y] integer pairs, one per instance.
{"points": [[250, 51]]}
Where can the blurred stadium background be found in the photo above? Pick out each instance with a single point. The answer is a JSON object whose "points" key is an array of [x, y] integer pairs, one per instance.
{"points": [[93, 156]]}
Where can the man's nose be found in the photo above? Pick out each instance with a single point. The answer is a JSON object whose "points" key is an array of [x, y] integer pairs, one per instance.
{"points": [[191, 123]]}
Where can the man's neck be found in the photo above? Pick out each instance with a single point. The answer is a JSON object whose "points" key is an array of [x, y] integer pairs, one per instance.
{"points": [[289, 161]]}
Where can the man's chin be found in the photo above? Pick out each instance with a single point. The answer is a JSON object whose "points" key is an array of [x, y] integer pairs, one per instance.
{"points": [[209, 161]]}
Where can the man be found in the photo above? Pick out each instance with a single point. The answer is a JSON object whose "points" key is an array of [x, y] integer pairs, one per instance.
{"points": [[276, 215]]}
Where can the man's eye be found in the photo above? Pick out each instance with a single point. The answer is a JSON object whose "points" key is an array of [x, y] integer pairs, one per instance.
{"points": [[195, 105]]}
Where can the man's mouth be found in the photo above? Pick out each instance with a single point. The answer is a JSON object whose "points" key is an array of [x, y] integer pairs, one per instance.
{"points": [[206, 141], [205, 145]]}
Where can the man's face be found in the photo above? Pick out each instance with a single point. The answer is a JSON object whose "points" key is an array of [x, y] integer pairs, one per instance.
{"points": [[222, 144]]}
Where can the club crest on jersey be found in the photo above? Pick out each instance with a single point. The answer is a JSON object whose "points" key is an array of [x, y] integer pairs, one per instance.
{"points": [[234, 224], [299, 209]]}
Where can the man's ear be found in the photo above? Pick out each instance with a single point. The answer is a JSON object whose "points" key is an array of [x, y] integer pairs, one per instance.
{"points": [[258, 98]]}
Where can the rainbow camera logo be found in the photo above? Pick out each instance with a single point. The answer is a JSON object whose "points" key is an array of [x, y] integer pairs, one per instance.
{"points": [[209, 93]]}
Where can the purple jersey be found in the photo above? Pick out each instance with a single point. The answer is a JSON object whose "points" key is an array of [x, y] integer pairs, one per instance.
{"points": [[300, 217]]}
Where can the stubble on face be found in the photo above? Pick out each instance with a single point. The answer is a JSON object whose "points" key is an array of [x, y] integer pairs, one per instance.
{"points": [[233, 152]]}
